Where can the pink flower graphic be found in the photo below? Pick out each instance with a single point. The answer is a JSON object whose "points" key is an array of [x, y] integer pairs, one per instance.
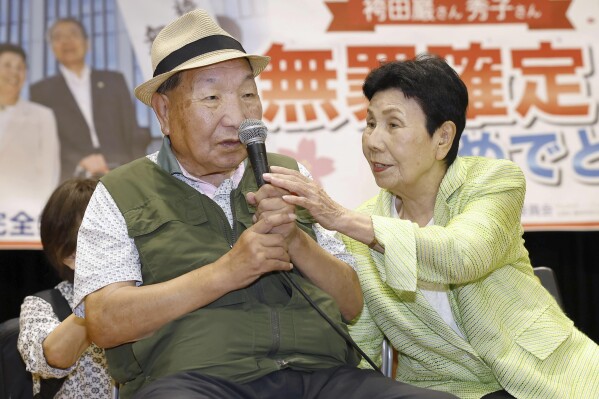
{"points": [[306, 155]]}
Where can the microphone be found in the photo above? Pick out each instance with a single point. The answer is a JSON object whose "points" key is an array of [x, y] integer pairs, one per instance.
{"points": [[252, 134]]}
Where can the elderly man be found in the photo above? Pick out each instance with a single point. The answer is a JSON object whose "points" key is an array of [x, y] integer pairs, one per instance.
{"points": [[175, 278]]}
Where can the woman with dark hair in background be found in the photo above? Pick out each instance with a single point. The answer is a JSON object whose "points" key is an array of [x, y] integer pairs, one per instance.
{"points": [[50, 348]]}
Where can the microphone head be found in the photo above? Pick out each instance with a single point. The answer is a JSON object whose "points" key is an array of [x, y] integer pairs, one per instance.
{"points": [[252, 130]]}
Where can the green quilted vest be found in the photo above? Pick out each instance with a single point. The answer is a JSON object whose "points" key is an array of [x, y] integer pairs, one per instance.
{"points": [[243, 335]]}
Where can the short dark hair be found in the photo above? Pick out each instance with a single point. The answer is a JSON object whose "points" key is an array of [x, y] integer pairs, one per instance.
{"points": [[60, 220], [431, 82], [171, 83], [13, 48], [66, 19]]}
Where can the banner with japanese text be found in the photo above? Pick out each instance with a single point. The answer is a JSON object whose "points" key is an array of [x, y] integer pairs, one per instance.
{"points": [[530, 67]]}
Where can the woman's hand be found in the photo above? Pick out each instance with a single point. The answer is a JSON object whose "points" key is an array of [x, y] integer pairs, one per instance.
{"points": [[306, 193], [328, 213]]}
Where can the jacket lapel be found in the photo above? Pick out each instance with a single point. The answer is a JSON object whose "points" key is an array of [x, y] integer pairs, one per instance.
{"points": [[418, 304], [98, 90], [453, 180], [62, 91]]}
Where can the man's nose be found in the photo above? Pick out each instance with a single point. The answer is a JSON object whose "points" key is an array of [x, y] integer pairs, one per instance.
{"points": [[235, 113], [14, 70]]}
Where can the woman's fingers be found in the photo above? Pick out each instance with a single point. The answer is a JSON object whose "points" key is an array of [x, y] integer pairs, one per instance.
{"points": [[293, 183]]}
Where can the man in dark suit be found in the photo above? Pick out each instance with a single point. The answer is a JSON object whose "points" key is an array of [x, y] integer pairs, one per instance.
{"points": [[97, 127]]}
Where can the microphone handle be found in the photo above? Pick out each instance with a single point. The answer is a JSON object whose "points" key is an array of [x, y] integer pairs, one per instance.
{"points": [[257, 154]]}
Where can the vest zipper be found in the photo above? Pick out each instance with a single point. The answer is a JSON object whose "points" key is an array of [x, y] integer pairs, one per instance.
{"points": [[228, 232], [276, 332], [259, 290], [234, 217]]}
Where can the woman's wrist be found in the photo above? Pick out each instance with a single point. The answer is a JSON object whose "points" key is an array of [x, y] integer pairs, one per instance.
{"points": [[343, 222]]}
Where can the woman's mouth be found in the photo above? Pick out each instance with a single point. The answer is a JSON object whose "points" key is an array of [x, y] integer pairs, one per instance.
{"points": [[379, 167]]}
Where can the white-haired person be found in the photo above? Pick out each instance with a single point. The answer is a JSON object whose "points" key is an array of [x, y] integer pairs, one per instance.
{"points": [[189, 296]]}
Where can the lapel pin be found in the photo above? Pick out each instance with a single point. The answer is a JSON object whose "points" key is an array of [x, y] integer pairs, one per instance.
{"points": [[100, 85]]}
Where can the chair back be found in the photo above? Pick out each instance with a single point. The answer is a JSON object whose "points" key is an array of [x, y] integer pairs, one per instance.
{"points": [[15, 381], [387, 358], [548, 280]]}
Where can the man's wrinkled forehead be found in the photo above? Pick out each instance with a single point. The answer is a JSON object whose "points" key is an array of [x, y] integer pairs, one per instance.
{"points": [[229, 64], [211, 73]]}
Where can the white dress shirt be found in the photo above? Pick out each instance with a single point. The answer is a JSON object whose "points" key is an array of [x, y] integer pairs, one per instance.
{"points": [[435, 294], [81, 88]]}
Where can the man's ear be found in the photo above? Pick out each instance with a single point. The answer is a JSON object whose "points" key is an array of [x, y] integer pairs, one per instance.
{"points": [[444, 137], [160, 104]]}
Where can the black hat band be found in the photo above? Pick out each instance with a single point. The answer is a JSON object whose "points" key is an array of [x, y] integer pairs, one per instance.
{"points": [[194, 49]]}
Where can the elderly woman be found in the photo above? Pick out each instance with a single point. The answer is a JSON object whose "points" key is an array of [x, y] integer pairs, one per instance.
{"points": [[440, 254]]}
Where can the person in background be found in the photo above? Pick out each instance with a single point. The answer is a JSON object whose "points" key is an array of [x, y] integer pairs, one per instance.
{"points": [[191, 298], [53, 349], [441, 260], [29, 149], [96, 119]]}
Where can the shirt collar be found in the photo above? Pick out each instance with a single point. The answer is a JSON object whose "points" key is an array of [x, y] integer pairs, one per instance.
{"points": [[453, 179], [72, 76], [6, 108], [168, 161]]}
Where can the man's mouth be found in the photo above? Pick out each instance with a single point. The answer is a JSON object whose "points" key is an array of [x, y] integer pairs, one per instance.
{"points": [[229, 143]]}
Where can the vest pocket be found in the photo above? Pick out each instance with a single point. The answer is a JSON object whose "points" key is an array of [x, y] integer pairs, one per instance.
{"points": [[168, 234], [122, 364], [535, 338], [308, 329], [156, 212]]}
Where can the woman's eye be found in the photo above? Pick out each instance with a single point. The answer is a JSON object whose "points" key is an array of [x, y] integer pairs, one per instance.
{"points": [[394, 124]]}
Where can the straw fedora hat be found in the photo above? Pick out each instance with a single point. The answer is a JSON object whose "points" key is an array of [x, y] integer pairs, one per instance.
{"points": [[193, 40]]}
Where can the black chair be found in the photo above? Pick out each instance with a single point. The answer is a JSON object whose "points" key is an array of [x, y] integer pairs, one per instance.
{"points": [[548, 280], [15, 381], [387, 358]]}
